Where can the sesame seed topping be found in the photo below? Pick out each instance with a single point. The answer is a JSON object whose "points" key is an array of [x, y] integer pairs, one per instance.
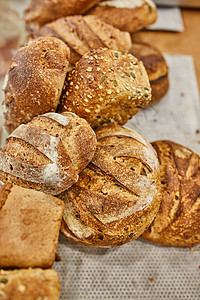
{"points": [[87, 110], [89, 69]]}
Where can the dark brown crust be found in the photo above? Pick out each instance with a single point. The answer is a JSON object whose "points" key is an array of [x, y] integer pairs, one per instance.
{"points": [[177, 222], [107, 206], [35, 80], [126, 19]]}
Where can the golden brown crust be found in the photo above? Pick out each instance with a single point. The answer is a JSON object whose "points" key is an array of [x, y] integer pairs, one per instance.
{"points": [[178, 220], [156, 68], [117, 195], [29, 284], [41, 12], [29, 228], [131, 18], [35, 80], [83, 34], [48, 153], [106, 86]]}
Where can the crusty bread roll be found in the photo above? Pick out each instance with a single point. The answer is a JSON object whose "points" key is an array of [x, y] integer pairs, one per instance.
{"points": [[29, 284], [35, 80], [106, 86], [29, 227], [83, 34], [126, 15], [156, 68], [178, 220], [41, 12], [47, 153], [118, 193]]}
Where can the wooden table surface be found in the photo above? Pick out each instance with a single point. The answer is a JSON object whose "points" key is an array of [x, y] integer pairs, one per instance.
{"points": [[186, 42]]}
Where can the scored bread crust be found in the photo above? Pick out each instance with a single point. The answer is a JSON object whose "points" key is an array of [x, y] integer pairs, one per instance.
{"points": [[126, 15], [106, 86], [47, 153], [29, 284], [35, 80], [29, 227], [83, 34], [118, 193], [156, 67], [178, 220], [41, 12]]}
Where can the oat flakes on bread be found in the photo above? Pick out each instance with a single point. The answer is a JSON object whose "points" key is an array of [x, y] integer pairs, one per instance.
{"points": [[47, 153], [29, 227], [126, 15], [83, 34], [41, 12], [106, 86], [156, 67], [35, 80], [29, 284], [178, 220], [118, 193]]}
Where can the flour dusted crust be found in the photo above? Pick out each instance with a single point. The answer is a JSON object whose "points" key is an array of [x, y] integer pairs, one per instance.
{"points": [[156, 68], [83, 34], [178, 220], [29, 284], [106, 86], [29, 227], [126, 15], [47, 153], [117, 195], [35, 80]]}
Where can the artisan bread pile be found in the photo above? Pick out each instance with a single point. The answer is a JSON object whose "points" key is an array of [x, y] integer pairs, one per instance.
{"points": [[100, 188]]}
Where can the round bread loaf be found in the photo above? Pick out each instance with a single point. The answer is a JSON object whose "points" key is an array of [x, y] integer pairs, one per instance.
{"points": [[178, 220], [47, 153], [35, 80], [83, 34], [126, 15], [118, 193], [156, 68], [106, 86]]}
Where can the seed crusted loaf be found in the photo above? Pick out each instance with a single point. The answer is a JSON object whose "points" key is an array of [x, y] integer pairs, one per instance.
{"points": [[118, 193], [126, 15], [29, 284], [156, 68], [106, 86], [35, 80], [29, 227], [178, 220], [83, 34], [47, 153]]}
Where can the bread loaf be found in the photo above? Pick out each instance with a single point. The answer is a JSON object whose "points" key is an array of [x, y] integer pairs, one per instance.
{"points": [[29, 227], [126, 15], [41, 12], [47, 153], [83, 34], [178, 220], [106, 86], [35, 80], [29, 284], [156, 68], [118, 193]]}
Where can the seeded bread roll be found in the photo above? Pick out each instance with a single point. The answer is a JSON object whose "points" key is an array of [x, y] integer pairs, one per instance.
{"points": [[47, 153], [83, 34], [117, 195], [29, 284], [156, 68], [178, 220], [41, 12], [126, 15], [35, 80], [106, 86], [29, 227]]}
